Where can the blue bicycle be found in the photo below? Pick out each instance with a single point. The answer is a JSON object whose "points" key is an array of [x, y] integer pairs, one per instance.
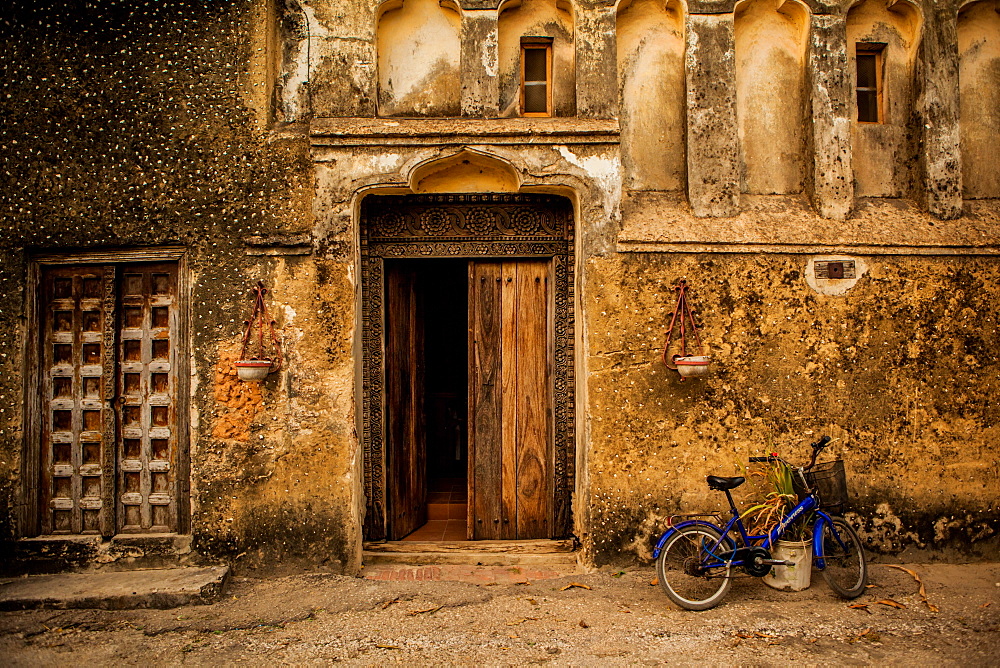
{"points": [[696, 558]]}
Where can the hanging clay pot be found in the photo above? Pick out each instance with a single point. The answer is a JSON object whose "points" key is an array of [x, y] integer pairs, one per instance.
{"points": [[688, 366], [253, 369], [692, 366], [254, 362]]}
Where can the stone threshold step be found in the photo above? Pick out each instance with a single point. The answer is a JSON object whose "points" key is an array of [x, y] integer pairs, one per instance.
{"points": [[472, 552], [119, 590], [468, 559], [539, 546]]}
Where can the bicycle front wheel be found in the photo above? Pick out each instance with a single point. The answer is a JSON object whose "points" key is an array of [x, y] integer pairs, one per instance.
{"points": [[844, 566], [691, 577]]}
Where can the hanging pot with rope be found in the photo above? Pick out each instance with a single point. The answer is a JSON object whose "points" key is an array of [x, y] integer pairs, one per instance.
{"points": [[258, 364], [687, 365]]}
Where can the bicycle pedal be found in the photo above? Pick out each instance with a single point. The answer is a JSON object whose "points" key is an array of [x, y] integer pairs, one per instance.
{"points": [[777, 562]]}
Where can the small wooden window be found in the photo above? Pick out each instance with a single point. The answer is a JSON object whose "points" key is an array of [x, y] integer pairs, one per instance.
{"points": [[536, 76], [868, 82]]}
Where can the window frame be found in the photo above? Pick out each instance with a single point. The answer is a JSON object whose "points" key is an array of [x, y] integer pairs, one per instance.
{"points": [[877, 50], [537, 44]]}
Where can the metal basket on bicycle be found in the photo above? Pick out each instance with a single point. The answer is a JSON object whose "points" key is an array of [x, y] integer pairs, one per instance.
{"points": [[829, 481]]}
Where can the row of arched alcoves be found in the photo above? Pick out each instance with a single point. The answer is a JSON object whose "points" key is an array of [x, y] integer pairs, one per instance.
{"points": [[419, 73]]}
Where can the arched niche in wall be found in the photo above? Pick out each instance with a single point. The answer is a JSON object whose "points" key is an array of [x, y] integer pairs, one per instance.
{"points": [[468, 171], [419, 44], [771, 101], [650, 35], [883, 147], [979, 84], [553, 22]]}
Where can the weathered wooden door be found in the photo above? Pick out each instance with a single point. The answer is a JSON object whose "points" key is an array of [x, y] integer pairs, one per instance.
{"points": [[146, 446], [510, 399], [108, 434], [405, 426]]}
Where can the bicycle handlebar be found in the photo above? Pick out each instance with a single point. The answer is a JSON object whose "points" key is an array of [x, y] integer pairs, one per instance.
{"points": [[817, 447]]}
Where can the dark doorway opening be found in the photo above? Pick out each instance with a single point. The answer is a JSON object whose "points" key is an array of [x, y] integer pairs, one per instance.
{"points": [[428, 346]]}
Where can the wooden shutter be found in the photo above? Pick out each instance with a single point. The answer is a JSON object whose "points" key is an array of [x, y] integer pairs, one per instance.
{"points": [[510, 400], [147, 388], [77, 386]]}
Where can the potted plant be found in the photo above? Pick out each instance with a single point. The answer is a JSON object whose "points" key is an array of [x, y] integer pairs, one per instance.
{"points": [[796, 545]]}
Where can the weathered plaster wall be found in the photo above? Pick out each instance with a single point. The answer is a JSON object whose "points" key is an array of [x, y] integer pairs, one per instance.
{"points": [[883, 154], [129, 127], [979, 78], [537, 18], [418, 49], [771, 95], [650, 36], [901, 369]]}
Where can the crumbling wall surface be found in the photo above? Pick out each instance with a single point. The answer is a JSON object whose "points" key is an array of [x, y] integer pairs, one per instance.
{"points": [[418, 60], [901, 370], [537, 18], [884, 154], [650, 38], [126, 126], [979, 80]]}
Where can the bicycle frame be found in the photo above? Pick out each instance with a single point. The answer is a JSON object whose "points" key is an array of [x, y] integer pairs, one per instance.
{"points": [[717, 559]]}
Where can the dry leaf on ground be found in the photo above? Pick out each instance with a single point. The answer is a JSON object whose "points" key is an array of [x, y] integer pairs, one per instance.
{"points": [[575, 584], [891, 603], [923, 591], [420, 612]]}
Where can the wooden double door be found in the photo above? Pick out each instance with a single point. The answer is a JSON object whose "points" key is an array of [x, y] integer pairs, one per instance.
{"points": [[107, 406], [506, 311]]}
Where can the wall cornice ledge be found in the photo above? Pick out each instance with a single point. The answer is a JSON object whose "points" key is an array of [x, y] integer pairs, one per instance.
{"points": [[663, 223], [438, 131]]}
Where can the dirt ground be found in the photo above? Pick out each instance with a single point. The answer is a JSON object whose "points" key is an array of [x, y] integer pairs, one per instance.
{"points": [[617, 618]]}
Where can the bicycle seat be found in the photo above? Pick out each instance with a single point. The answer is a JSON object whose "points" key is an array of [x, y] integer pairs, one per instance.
{"points": [[720, 483]]}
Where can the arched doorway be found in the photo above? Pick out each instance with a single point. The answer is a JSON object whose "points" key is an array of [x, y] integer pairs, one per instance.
{"points": [[467, 337]]}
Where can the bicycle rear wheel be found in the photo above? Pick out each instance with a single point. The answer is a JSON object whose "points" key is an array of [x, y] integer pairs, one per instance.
{"points": [[680, 570], [844, 566]]}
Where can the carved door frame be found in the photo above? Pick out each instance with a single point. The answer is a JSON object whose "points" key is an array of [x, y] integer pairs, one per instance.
{"points": [[465, 226]]}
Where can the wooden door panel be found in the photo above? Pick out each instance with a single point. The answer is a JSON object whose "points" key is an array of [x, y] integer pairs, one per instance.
{"points": [[109, 384], [485, 408], [511, 433], [532, 400], [77, 422], [405, 427], [147, 438]]}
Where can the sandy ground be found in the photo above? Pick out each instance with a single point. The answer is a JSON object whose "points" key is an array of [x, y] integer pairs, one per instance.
{"points": [[621, 619]]}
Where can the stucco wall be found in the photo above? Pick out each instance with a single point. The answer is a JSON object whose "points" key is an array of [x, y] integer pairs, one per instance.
{"points": [[901, 370], [129, 128], [176, 124]]}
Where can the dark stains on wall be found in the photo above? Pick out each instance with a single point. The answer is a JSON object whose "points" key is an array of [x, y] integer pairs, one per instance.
{"points": [[125, 125], [901, 370]]}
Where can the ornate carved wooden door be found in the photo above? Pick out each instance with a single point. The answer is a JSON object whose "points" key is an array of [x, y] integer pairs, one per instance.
{"points": [[108, 405], [510, 399], [521, 377], [405, 428]]}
